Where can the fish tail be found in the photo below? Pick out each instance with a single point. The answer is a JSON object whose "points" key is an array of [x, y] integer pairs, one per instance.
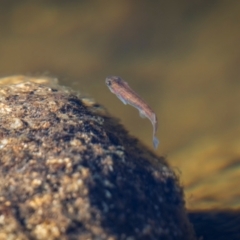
{"points": [[155, 127], [155, 142]]}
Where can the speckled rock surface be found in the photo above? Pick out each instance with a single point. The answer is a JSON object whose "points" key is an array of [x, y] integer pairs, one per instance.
{"points": [[70, 171]]}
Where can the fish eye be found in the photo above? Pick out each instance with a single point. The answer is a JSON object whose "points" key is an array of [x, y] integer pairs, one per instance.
{"points": [[108, 82]]}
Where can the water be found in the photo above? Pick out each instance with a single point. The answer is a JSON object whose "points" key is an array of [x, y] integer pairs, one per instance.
{"points": [[182, 58]]}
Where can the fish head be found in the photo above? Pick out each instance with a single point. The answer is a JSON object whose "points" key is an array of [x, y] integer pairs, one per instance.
{"points": [[113, 82]]}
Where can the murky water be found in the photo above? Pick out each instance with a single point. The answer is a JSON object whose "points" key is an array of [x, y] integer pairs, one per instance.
{"points": [[181, 57]]}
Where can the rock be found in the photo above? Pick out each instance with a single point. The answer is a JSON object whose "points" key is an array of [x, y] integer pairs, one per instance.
{"points": [[71, 171]]}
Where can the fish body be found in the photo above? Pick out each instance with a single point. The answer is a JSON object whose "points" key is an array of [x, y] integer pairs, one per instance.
{"points": [[123, 91]]}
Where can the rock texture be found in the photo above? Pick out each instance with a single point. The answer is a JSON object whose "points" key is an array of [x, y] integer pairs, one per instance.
{"points": [[70, 171]]}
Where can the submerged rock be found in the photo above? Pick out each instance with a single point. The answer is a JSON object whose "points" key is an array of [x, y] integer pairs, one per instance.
{"points": [[71, 171]]}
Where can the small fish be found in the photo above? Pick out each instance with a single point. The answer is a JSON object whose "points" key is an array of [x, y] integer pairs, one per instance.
{"points": [[123, 91]]}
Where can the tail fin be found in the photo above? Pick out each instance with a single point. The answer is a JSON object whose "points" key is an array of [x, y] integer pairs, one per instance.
{"points": [[155, 142]]}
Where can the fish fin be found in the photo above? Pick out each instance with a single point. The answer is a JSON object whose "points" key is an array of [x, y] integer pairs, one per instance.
{"points": [[155, 142], [142, 115], [122, 99]]}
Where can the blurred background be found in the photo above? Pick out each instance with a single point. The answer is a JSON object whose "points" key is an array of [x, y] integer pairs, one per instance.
{"points": [[182, 57]]}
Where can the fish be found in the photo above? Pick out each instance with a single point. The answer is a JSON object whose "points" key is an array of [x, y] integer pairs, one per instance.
{"points": [[127, 96]]}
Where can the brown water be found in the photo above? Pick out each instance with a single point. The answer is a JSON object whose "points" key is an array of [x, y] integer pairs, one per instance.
{"points": [[182, 57]]}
